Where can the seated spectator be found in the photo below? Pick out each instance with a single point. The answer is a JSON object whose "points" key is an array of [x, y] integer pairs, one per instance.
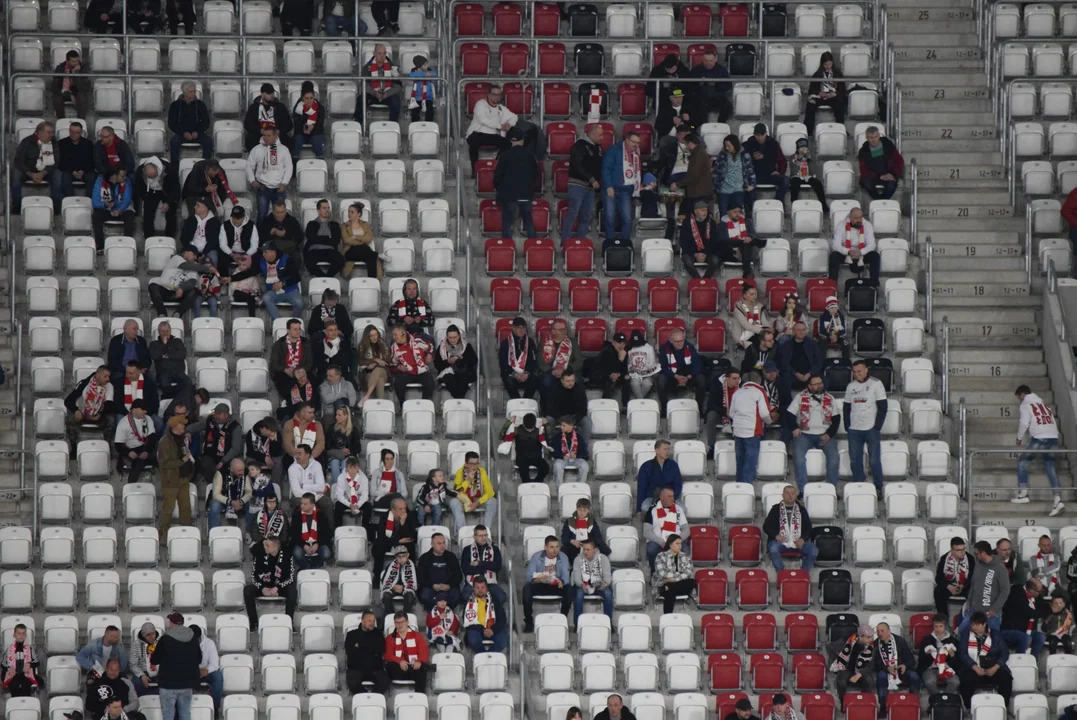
{"points": [[793, 311], [743, 709], [262, 445], [320, 254], [273, 576], [223, 441], [74, 163], [433, 498], [953, 575], [832, 329], [1015, 566], [800, 174], [135, 442], [673, 575], [517, 359], [399, 580], [202, 231], [642, 366], [1046, 566], [481, 559], [567, 398], [281, 229], [854, 245], [789, 530], [301, 392], [373, 359], [682, 369], [189, 122], [210, 667], [981, 660], [655, 475], [699, 242], [312, 531], [269, 170], [20, 666], [384, 88], [169, 355], [143, 672], [893, 664], [329, 310], [559, 354], [111, 201], [36, 157], [157, 188], [768, 160], [111, 687], [288, 353], [749, 318], [936, 658], [733, 176], [231, 493], [411, 311], [364, 650], [126, 346], [144, 17], [854, 666], [411, 361], [111, 153], [580, 527], [308, 119], [1057, 627], [90, 403], [399, 527], [70, 84], [490, 123], [439, 572], [303, 429], [825, 90], [474, 493], [592, 577], [514, 182], [799, 359], [305, 477], [673, 115], [569, 448], [547, 575], [297, 15], [342, 440], [736, 238], [665, 518], [177, 467], [266, 111], [456, 363], [179, 281], [406, 654], [881, 165], [351, 491], [615, 710], [95, 654], [485, 623], [357, 239], [238, 241], [133, 387], [443, 626], [1024, 609], [777, 396], [209, 183], [813, 419], [270, 522], [387, 482], [528, 438]]}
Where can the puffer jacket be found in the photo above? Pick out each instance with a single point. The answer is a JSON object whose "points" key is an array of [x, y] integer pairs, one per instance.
{"points": [[721, 163]]}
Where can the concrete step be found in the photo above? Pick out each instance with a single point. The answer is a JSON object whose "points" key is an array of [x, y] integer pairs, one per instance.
{"points": [[945, 289], [978, 120], [984, 212], [969, 384], [1000, 425], [930, 168], [914, 39], [947, 60], [940, 92], [947, 132], [977, 250], [960, 239], [973, 317], [917, 147], [986, 410], [960, 356], [958, 159], [999, 398], [926, 17], [961, 331], [964, 198], [924, 102], [984, 185], [942, 303], [1000, 370], [1001, 277], [965, 81], [978, 262]]}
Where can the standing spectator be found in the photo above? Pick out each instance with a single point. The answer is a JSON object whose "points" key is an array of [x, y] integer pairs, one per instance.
{"points": [[584, 179], [399, 580], [559, 354], [642, 366], [112, 199], [210, 667], [421, 103], [308, 119], [357, 239], [881, 165], [981, 660], [320, 254], [484, 621], [936, 658], [622, 179], [1021, 615], [666, 519], [272, 576], [800, 174], [953, 576], [569, 448], [383, 88], [266, 111], [812, 419], [481, 560], [95, 654], [699, 242], [230, 493], [854, 245], [591, 577], [832, 329], [893, 664], [547, 575], [406, 654], [71, 84], [189, 120], [1058, 625], [373, 359], [207, 182], [36, 160], [490, 123], [281, 229], [749, 412], [269, 170], [864, 413], [737, 237], [682, 368], [514, 178], [20, 666], [144, 672], [855, 664], [990, 589], [1038, 421], [580, 527], [157, 189], [716, 411], [610, 370], [768, 160], [733, 176], [655, 475], [749, 317], [789, 530], [364, 650], [305, 477], [456, 363], [180, 12], [696, 182], [671, 68], [673, 575], [712, 97], [528, 439], [74, 163], [826, 89], [411, 361], [177, 655], [517, 360], [177, 470], [111, 153], [439, 572], [136, 441], [474, 493], [800, 358]]}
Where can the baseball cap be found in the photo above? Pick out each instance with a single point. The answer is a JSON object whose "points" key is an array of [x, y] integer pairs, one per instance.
{"points": [[400, 550], [619, 337], [770, 367], [238, 211], [760, 129], [677, 93], [802, 142], [744, 704], [700, 204]]}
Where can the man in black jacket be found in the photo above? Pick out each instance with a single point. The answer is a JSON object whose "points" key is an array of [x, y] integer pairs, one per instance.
{"points": [[74, 161], [894, 663], [788, 529], [712, 96], [70, 84], [737, 234], [364, 647], [517, 360], [282, 230], [272, 576], [670, 68], [584, 178], [615, 710], [699, 242], [514, 179], [404, 530], [568, 397], [673, 115], [768, 161], [481, 558], [35, 159], [177, 656], [953, 576], [188, 119], [169, 355], [1024, 608], [439, 572], [157, 187], [527, 439], [611, 370], [110, 152], [208, 182], [267, 111], [756, 356]]}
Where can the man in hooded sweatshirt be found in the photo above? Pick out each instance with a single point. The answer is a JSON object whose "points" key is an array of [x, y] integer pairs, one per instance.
{"points": [[144, 672], [177, 656], [157, 188], [989, 587]]}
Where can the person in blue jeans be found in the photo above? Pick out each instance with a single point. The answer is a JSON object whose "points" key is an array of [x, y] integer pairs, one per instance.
{"points": [[893, 660], [990, 588], [1038, 420], [592, 577], [813, 422], [621, 179], [749, 412], [788, 530], [485, 620], [584, 178], [864, 414], [1024, 608], [733, 175], [281, 278], [231, 490], [177, 656]]}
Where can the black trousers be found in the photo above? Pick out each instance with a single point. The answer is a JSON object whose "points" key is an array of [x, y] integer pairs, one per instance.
{"points": [[296, 16], [478, 140], [942, 601], [401, 381], [727, 251], [240, 297], [408, 600], [971, 682], [98, 219], [689, 260], [174, 24], [457, 385], [20, 686], [670, 591], [356, 678], [871, 260], [427, 114], [416, 676], [814, 183], [837, 104], [567, 594], [525, 389], [866, 683], [323, 261], [339, 511], [251, 593], [149, 213], [386, 14], [138, 464], [364, 255], [666, 385], [524, 465], [159, 295], [618, 389]]}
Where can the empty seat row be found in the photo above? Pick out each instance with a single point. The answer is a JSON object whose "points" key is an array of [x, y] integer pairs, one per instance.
{"points": [[1034, 20]]}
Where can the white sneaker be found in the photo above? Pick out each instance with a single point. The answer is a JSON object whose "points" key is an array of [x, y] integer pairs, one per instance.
{"points": [[1021, 497], [1059, 507]]}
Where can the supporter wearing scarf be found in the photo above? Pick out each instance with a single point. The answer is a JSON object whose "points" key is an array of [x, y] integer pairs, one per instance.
{"points": [[518, 355], [301, 392], [702, 240], [21, 659], [666, 521], [806, 399], [791, 524], [671, 357], [849, 236], [630, 164], [293, 352], [472, 615], [979, 647], [442, 626], [557, 355], [271, 522], [308, 527], [309, 114], [485, 555], [955, 571], [221, 181], [591, 572], [141, 428], [304, 435], [383, 69], [570, 443], [857, 656], [401, 571], [94, 397], [133, 389], [736, 229], [409, 357]]}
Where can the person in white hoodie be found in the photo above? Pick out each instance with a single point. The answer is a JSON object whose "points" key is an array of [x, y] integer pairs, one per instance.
{"points": [[489, 126], [269, 170], [1038, 420], [749, 411]]}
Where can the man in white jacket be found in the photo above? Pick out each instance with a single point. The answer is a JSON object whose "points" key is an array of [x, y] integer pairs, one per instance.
{"points": [[490, 123], [749, 411], [1038, 421], [853, 244], [269, 170]]}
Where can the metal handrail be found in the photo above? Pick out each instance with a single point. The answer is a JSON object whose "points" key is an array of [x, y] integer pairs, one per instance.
{"points": [[894, 121], [22, 466], [507, 563], [945, 365], [1011, 166], [18, 364], [1028, 243], [500, 502], [929, 290], [914, 210], [1063, 331], [962, 439]]}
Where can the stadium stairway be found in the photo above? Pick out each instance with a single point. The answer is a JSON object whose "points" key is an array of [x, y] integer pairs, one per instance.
{"points": [[9, 422], [980, 285]]}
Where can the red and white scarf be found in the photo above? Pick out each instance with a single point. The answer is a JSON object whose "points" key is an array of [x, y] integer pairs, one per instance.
{"points": [[666, 522], [385, 69], [26, 656], [471, 614], [790, 524], [421, 92], [804, 416], [570, 446], [442, 625], [581, 528], [978, 649], [218, 204], [302, 393], [387, 486], [557, 358], [110, 194], [272, 278], [485, 554], [595, 100], [133, 392], [849, 236], [293, 353], [353, 488], [955, 571], [310, 114], [112, 154], [518, 362], [307, 435], [701, 240], [308, 527], [753, 314], [406, 647], [398, 573], [93, 397], [1031, 627], [1045, 562], [888, 653], [630, 164], [671, 359], [410, 357], [727, 395], [736, 229], [141, 428]]}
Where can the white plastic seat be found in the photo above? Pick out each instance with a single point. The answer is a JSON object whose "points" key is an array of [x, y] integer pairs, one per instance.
{"points": [[102, 588], [910, 545], [1061, 674], [869, 546], [894, 455], [821, 500], [643, 418], [1026, 676], [184, 545], [97, 503], [629, 589], [657, 257], [839, 179], [738, 502], [384, 138], [860, 501], [925, 418], [908, 335]]}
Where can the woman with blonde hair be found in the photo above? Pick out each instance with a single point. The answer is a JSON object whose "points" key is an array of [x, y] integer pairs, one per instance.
{"points": [[372, 363]]}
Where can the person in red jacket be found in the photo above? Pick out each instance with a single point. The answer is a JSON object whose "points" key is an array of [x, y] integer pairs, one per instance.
{"points": [[406, 654], [1069, 214], [881, 165]]}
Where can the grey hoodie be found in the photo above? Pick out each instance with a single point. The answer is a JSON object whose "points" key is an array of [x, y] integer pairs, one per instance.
{"points": [[989, 586]]}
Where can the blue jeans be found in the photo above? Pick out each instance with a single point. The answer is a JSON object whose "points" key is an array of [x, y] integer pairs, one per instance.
{"points": [[780, 183], [605, 593], [1048, 462], [889, 187], [473, 638], [727, 199], [63, 185], [141, 688], [619, 206], [336, 467], [311, 562], [175, 146], [802, 445], [808, 553], [508, 217], [315, 141], [435, 514], [266, 198], [1019, 641], [995, 623], [339, 25], [215, 680], [51, 179], [211, 302], [216, 510], [489, 513], [882, 684], [747, 453], [581, 201], [857, 439], [176, 704], [295, 299]]}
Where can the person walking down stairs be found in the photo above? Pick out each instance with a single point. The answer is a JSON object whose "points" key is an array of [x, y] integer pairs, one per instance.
{"points": [[1038, 421]]}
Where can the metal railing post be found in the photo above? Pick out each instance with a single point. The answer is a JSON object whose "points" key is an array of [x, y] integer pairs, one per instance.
{"points": [[946, 365], [511, 584], [914, 211], [929, 272], [1028, 244], [524, 690], [962, 466]]}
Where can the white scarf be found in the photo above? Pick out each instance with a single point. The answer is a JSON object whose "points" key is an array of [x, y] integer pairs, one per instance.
{"points": [[471, 613], [591, 570], [332, 347], [46, 157], [956, 572], [484, 554], [978, 650], [849, 236], [790, 523], [630, 165], [307, 435], [402, 574]]}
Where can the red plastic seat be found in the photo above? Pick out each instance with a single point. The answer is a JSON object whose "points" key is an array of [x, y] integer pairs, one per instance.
{"points": [[505, 296], [552, 59], [711, 588], [745, 544], [500, 256], [663, 296], [632, 100], [560, 178], [818, 290], [724, 671], [661, 50], [734, 288], [490, 215], [664, 326], [706, 544], [543, 328], [753, 589], [696, 51], [727, 703], [538, 256], [860, 706], [540, 214], [518, 97], [608, 133], [583, 296], [508, 19], [809, 672], [591, 334], [777, 289], [562, 211], [475, 59], [817, 706], [560, 136], [475, 91], [735, 20], [547, 20], [902, 706], [646, 135], [468, 19], [760, 629], [545, 296], [502, 329], [709, 336], [703, 296], [697, 20], [484, 177], [629, 326], [794, 589], [623, 296], [579, 254], [513, 57], [557, 100], [767, 671], [920, 626], [801, 633]]}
